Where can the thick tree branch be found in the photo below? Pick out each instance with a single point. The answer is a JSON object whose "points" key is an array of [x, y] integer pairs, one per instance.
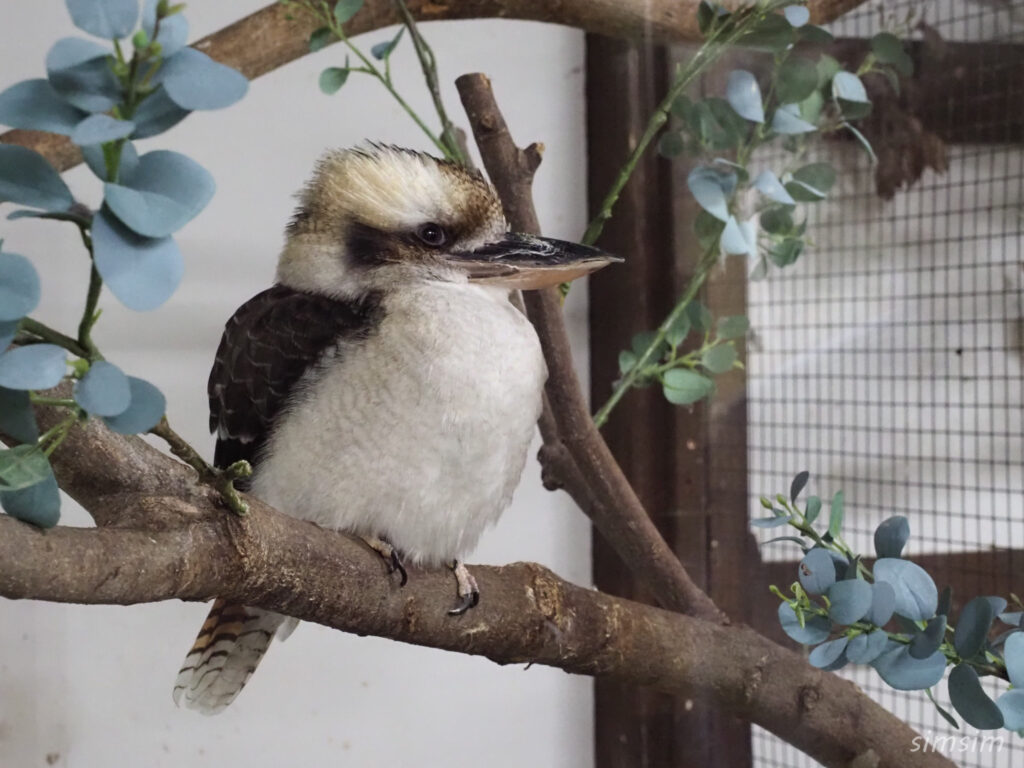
{"points": [[575, 455], [267, 39]]}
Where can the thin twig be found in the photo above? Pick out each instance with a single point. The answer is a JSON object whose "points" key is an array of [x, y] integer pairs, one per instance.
{"points": [[52, 336]]}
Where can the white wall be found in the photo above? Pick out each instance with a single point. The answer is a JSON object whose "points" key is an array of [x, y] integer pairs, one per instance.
{"points": [[90, 686]]}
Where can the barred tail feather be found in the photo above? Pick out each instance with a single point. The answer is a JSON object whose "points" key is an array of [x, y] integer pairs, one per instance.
{"points": [[225, 654]]}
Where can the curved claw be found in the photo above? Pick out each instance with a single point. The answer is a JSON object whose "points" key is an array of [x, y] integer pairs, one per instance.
{"points": [[465, 603], [469, 592], [398, 565]]}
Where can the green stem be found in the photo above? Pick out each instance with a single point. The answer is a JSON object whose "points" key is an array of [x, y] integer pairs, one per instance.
{"points": [[54, 401], [48, 334], [90, 315]]}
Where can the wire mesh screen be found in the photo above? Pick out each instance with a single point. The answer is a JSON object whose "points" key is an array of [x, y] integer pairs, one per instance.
{"points": [[888, 360]]}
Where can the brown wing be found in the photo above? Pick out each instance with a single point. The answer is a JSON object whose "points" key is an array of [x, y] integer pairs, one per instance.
{"points": [[267, 346]]}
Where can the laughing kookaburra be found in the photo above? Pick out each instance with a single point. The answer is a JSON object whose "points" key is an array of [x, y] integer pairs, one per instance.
{"points": [[385, 385]]}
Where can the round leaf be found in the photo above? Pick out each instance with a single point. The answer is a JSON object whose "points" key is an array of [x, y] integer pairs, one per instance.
{"points": [[916, 594], [734, 238], [22, 466], [28, 179], [927, 642], [903, 672], [883, 603], [818, 176], [744, 95], [19, 286], [888, 49], [39, 504], [682, 386], [970, 700], [142, 272], [863, 649], [104, 390], [108, 19], [797, 15], [97, 129], [816, 572], [827, 654], [195, 81], [346, 9], [98, 163], [891, 536], [332, 78], [815, 630], [733, 327], [1013, 655], [1011, 704], [8, 330], [972, 628], [79, 70], [16, 416], [712, 190], [145, 411], [678, 330], [34, 105], [850, 599], [797, 79], [173, 29], [165, 191], [768, 184], [156, 114], [37, 366], [789, 121], [847, 86], [719, 358]]}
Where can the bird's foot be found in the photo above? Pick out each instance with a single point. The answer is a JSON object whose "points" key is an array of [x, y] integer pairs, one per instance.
{"points": [[469, 592], [390, 555]]}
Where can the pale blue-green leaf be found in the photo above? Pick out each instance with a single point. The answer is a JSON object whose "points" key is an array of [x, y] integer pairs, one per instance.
{"points": [[788, 121], [916, 594], [942, 712], [34, 105], [332, 78], [16, 416], [79, 70], [826, 654], [627, 360], [733, 327], [1013, 655], [173, 29], [8, 329], [712, 189], [770, 522], [733, 239], [22, 466], [863, 649], [36, 366], [19, 286], [38, 504], [678, 330], [795, 80], [972, 627], [891, 536], [813, 508], [970, 700], [850, 599], [103, 391], [791, 539], [382, 50], [1013, 618], [146, 409], [98, 165], [816, 572], [156, 114], [98, 129], [847, 86], [28, 179], [141, 272], [164, 192], [903, 672], [804, 193], [719, 358], [195, 81], [768, 184], [998, 604], [682, 386], [108, 19], [835, 518], [797, 15], [744, 95], [815, 630], [863, 141], [346, 9], [927, 642], [1011, 704], [883, 603]]}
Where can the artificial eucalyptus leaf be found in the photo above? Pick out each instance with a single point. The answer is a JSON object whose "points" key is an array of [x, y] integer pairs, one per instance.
{"points": [[970, 700], [35, 366], [99, 129], [768, 184], [22, 466], [700, 316], [346, 9], [827, 654], [863, 649], [888, 49], [916, 594], [945, 601], [332, 79], [145, 410], [712, 189], [815, 628], [17, 418], [927, 642], [173, 33], [744, 95], [773, 33], [798, 484], [850, 601], [79, 70], [38, 504], [193, 81], [883, 603], [795, 80], [733, 327], [156, 114], [108, 19], [8, 330], [835, 519], [796, 15], [903, 672], [734, 240], [96, 160], [1013, 656], [28, 179], [972, 627], [784, 253], [891, 536], [813, 509], [816, 572], [104, 390], [141, 272], [19, 285], [681, 386], [848, 87], [719, 358], [789, 121], [381, 51]]}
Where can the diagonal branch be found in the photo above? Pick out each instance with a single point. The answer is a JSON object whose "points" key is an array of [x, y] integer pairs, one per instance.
{"points": [[268, 39], [575, 455]]}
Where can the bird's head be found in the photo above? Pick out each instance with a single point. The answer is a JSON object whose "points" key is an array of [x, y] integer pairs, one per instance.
{"points": [[380, 217]]}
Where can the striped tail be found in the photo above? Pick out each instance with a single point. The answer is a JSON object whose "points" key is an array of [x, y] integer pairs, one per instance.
{"points": [[225, 654]]}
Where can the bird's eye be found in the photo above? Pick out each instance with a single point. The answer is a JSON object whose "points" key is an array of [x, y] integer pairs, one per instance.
{"points": [[432, 234]]}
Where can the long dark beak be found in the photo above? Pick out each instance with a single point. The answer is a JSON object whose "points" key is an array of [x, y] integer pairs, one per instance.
{"points": [[527, 262]]}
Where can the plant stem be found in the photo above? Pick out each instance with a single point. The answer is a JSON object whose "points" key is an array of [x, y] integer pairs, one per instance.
{"points": [[89, 314], [48, 334], [429, 65]]}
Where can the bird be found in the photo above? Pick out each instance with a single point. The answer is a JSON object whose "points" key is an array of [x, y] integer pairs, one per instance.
{"points": [[384, 385]]}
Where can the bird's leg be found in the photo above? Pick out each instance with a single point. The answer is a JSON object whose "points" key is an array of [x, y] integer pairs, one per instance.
{"points": [[469, 592], [390, 555]]}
